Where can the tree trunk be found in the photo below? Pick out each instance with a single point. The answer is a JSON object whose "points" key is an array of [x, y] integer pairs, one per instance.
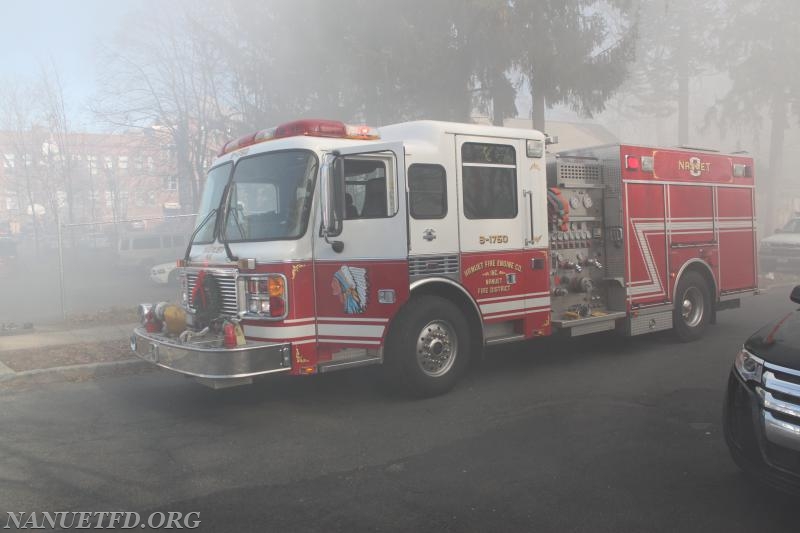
{"points": [[776, 140], [537, 105], [683, 85]]}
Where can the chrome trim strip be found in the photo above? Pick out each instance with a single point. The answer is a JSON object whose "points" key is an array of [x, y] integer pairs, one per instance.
{"points": [[771, 382], [342, 365], [768, 401], [780, 432], [715, 288], [777, 368], [452, 283]]}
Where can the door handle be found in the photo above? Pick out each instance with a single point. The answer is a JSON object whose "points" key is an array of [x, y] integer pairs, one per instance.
{"points": [[530, 239]]}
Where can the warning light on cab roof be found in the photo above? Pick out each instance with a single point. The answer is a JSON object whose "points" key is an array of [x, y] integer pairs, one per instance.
{"points": [[309, 127]]}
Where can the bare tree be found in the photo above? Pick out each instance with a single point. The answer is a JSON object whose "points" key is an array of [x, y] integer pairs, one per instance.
{"points": [[17, 112], [55, 112], [164, 74]]}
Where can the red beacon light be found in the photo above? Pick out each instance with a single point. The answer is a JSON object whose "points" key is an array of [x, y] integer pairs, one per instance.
{"points": [[632, 162], [307, 127]]}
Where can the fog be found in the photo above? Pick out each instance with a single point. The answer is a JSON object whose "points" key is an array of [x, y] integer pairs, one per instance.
{"points": [[176, 80]]}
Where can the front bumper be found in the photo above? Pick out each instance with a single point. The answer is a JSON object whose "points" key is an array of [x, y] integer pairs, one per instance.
{"points": [[207, 358], [779, 258], [762, 433]]}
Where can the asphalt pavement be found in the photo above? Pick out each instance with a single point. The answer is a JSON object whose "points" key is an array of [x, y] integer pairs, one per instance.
{"points": [[594, 434]]}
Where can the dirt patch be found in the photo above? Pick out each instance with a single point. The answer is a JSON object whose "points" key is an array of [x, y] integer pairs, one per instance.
{"points": [[71, 354], [106, 317]]}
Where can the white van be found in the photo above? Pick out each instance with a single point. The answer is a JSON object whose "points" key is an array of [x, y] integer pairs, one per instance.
{"points": [[148, 249]]}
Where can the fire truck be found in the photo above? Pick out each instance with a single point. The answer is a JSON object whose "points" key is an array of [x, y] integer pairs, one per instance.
{"points": [[321, 246]]}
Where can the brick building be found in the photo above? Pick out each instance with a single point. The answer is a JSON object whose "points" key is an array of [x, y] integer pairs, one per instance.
{"points": [[87, 177]]}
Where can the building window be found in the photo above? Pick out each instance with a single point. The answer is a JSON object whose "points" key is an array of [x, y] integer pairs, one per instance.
{"points": [[92, 163], [489, 173], [151, 198], [427, 185], [12, 202], [122, 163], [139, 198], [171, 183], [8, 161], [108, 162]]}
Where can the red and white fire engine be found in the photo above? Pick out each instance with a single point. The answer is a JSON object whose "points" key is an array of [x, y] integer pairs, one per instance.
{"points": [[322, 246]]}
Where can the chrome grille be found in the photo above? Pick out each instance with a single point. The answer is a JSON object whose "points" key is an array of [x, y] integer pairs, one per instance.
{"points": [[780, 400], [227, 287], [428, 265]]}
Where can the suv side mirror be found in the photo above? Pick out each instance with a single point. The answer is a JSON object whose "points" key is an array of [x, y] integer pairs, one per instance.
{"points": [[795, 297]]}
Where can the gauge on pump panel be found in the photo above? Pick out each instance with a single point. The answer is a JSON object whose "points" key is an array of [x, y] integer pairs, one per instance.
{"points": [[575, 202], [587, 201]]}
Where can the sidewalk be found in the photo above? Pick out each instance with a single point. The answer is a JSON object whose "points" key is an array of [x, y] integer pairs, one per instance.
{"points": [[52, 353]]}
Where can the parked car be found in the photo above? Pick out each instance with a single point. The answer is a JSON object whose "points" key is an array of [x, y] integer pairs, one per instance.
{"points": [[145, 249], [781, 250], [762, 404], [165, 273]]}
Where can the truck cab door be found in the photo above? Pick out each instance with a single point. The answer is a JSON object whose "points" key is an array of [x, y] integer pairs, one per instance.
{"points": [[359, 288], [503, 235]]}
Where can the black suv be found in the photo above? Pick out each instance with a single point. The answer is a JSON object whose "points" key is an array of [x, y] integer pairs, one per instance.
{"points": [[762, 404]]}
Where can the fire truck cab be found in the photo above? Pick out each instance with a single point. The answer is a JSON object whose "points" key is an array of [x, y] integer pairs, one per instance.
{"points": [[322, 246]]}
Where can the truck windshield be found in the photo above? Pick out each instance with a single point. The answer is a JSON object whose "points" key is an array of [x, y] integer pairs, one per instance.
{"points": [[270, 196], [212, 195]]}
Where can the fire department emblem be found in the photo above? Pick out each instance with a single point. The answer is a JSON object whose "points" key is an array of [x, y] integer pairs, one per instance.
{"points": [[350, 285]]}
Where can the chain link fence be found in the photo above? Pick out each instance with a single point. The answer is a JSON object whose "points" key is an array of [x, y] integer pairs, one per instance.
{"points": [[93, 272]]}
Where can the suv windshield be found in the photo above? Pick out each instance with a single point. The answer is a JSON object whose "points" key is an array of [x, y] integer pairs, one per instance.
{"points": [[212, 195], [270, 196]]}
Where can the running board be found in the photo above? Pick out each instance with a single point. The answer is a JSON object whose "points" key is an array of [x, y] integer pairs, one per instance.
{"points": [[330, 366], [593, 324], [504, 339]]}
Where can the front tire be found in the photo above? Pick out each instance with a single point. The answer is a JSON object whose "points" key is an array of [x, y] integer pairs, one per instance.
{"points": [[692, 311], [428, 348]]}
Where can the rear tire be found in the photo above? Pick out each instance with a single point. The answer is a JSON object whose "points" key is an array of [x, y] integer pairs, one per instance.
{"points": [[692, 312], [428, 348]]}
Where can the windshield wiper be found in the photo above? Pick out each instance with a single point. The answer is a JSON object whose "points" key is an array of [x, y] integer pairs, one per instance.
{"points": [[238, 225], [228, 252], [194, 234]]}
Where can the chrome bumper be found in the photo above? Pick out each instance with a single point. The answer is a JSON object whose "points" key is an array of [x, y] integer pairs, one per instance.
{"points": [[207, 358]]}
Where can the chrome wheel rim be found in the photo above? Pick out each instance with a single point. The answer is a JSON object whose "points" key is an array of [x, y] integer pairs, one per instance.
{"points": [[692, 307], [437, 347]]}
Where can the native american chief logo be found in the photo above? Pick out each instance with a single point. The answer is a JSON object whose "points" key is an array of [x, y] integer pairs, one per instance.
{"points": [[350, 285]]}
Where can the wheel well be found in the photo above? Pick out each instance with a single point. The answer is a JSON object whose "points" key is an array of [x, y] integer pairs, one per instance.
{"points": [[450, 291], [704, 270]]}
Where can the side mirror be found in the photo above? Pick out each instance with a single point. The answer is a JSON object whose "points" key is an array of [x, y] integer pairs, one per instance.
{"points": [[332, 199], [795, 297]]}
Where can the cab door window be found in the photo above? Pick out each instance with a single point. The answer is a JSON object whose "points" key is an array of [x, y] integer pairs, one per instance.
{"points": [[489, 173], [369, 191]]}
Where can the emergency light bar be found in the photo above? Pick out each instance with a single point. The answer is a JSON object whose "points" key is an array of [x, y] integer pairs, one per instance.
{"points": [[309, 127]]}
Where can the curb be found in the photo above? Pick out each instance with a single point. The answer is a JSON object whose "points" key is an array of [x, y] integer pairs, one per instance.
{"points": [[75, 372]]}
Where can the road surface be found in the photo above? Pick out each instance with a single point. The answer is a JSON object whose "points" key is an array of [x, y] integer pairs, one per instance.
{"points": [[595, 434]]}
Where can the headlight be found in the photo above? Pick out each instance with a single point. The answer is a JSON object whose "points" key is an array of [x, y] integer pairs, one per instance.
{"points": [[749, 366], [266, 296]]}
